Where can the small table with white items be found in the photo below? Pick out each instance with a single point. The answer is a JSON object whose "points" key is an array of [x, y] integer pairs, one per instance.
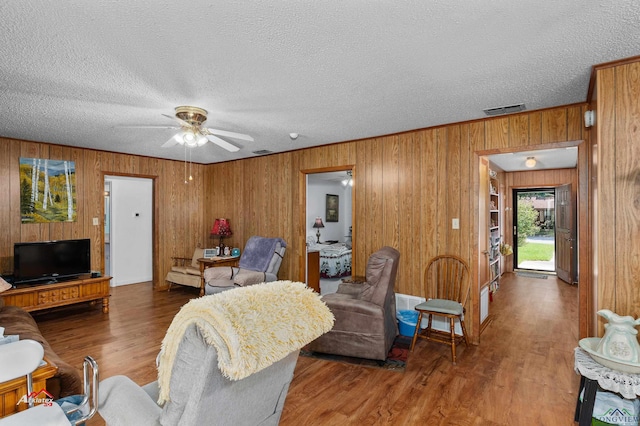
{"points": [[593, 374]]}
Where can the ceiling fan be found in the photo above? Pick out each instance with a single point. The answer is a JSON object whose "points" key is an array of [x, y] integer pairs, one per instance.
{"points": [[192, 132]]}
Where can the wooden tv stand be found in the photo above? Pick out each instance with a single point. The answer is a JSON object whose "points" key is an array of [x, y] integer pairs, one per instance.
{"points": [[45, 296]]}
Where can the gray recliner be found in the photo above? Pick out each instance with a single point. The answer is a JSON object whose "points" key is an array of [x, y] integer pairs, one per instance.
{"points": [[260, 262], [226, 359], [365, 312], [200, 394]]}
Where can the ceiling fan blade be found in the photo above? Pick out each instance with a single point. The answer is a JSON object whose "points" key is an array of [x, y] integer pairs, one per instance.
{"points": [[179, 120], [149, 127], [171, 142], [230, 134], [222, 143]]}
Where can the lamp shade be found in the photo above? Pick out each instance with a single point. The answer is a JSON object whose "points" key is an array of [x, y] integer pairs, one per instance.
{"points": [[318, 223], [221, 228]]}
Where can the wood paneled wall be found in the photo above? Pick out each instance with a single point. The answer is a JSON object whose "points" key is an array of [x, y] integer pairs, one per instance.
{"points": [[178, 224], [408, 187], [617, 230]]}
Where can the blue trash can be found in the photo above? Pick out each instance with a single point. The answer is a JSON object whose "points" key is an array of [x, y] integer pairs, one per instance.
{"points": [[407, 320], [69, 403]]}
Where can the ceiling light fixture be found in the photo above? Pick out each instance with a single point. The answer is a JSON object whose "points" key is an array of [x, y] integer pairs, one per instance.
{"points": [[349, 179], [192, 132], [530, 162], [189, 138], [193, 139]]}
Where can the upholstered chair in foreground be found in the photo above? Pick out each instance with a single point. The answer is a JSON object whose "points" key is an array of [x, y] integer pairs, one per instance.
{"points": [[227, 359], [365, 312]]}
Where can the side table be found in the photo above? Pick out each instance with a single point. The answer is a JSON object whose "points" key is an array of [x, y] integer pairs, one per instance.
{"points": [[593, 374], [208, 262], [13, 390]]}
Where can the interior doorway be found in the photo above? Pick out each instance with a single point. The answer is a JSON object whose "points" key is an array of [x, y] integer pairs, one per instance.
{"points": [[524, 177], [129, 226], [328, 222], [534, 230]]}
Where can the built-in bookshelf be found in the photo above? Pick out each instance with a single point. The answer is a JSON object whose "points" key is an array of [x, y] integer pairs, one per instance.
{"points": [[495, 234]]}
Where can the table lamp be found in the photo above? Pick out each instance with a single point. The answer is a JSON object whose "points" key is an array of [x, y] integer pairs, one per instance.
{"points": [[318, 224], [221, 228]]}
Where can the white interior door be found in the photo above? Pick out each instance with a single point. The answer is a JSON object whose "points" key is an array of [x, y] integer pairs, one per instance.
{"points": [[131, 229]]}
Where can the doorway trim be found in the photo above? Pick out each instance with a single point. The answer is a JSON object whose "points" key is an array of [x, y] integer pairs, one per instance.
{"points": [[585, 261], [302, 218], [154, 221]]}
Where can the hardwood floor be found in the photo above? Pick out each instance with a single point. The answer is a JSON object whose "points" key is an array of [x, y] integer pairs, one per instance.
{"points": [[521, 374]]}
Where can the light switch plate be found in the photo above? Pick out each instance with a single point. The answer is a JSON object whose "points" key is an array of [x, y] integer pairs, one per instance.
{"points": [[96, 222], [455, 223]]}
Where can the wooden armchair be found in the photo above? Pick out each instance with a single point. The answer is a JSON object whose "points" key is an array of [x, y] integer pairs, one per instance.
{"points": [[446, 283]]}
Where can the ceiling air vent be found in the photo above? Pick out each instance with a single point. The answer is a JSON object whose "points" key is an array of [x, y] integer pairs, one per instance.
{"points": [[508, 109], [262, 152]]}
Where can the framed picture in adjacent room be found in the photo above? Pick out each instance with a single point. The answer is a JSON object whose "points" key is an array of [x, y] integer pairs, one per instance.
{"points": [[332, 208]]}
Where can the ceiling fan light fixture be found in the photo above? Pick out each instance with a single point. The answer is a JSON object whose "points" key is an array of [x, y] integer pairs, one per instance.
{"points": [[189, 138], [178, 138], [530, 162], [201, 140], [192, 134]]}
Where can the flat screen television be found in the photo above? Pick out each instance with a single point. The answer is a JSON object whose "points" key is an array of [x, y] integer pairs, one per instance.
{"points": [[50, 261]]}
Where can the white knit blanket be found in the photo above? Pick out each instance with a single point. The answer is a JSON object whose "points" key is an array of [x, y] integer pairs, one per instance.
{"points": [[250, 327]]}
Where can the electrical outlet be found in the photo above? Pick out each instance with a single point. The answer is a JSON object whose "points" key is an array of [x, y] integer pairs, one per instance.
{"points": [[455, 223]]}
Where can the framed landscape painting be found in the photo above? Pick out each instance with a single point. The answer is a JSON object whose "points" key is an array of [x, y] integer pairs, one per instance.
{"points": [[47, 190]]}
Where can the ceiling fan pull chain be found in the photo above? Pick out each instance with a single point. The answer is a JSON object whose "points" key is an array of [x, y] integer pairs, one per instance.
{"points": [[185, 164]]}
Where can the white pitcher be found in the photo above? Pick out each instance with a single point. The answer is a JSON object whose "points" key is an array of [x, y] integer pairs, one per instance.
{"points": [[620, 339]]}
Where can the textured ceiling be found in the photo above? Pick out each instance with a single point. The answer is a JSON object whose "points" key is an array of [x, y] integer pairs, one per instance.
{"points": [[81, 73], [560, 158]]}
